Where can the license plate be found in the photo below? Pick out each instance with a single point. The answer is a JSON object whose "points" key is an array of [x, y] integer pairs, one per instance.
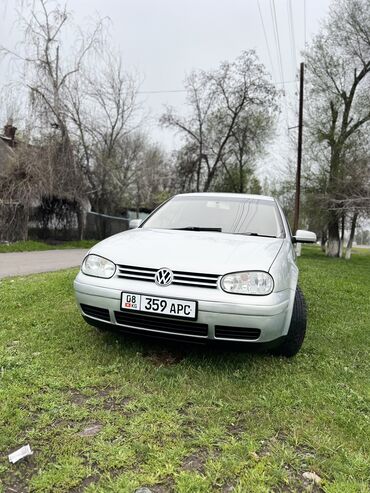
{"points": [[161, 306]]}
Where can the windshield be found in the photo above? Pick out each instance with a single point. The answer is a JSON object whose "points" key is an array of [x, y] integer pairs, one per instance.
{"points": [[227, 215]]}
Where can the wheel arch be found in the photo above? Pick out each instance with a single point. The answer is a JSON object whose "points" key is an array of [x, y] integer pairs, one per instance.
{"points": [[285, 273]]}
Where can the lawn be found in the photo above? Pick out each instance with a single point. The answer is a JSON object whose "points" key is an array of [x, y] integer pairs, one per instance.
{"points": [[31, 245], [110, 414]]}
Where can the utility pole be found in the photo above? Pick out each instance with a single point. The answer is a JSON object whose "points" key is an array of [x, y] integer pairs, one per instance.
{"points": [[299, 157]]}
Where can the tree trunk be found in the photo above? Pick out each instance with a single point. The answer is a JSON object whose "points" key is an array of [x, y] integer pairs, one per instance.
{"points": [[351, 236], [332, 249], [210, 176], [341, 247], [26, 221], [333, 235], [198, 172], [81, 222], [323, 240], [241, 181]]}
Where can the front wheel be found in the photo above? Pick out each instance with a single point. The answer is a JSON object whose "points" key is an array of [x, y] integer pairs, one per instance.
{"points": [[293, 341]]}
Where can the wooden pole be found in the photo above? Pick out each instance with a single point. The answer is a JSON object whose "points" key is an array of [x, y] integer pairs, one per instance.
{"points": [[299, 157]]}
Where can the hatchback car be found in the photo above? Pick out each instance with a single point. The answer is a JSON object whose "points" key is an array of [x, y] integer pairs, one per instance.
{"points": [[202, 267]]}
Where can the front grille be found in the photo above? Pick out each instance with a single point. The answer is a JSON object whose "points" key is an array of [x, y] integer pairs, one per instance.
{"points": [[154, 323], [179, 277], [94, 311], [225, 332]]}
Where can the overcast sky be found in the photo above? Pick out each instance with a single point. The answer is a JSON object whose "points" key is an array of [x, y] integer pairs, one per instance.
{"points": [[165, 39]]}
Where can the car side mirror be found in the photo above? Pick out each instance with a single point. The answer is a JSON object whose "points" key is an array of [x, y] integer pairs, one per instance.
{"points": [[303, 236], [134, 223]]}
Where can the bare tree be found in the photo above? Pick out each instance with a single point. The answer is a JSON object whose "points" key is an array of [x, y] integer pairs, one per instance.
{"points": [[103, 109], [338, 66], [244, 147], [352, 184], [217, 101], [47, 74], [85, 117], [153, 177]]}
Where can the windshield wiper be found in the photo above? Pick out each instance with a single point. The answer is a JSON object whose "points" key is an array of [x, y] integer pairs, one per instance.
{"points": [[197, 228], [256, 234]]}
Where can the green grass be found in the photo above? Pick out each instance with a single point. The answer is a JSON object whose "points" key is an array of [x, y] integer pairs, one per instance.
{"points": [[185, 420], [31, 246]]}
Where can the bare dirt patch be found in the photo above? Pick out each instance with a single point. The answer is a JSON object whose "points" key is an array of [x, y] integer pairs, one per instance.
{"points": [[17, 480], [238, 425], [166, 486], [196, 461], [112, 403], [91, 430], [228, 488], [164, 357], [109, 398], [185, 408], [78, 398], [94, 478]]}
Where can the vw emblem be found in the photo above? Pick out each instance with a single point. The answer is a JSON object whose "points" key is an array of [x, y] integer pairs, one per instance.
{"points": [[163, 277]]}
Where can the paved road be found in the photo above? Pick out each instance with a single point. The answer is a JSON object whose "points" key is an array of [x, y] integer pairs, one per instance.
{"points": [[25, 263]]}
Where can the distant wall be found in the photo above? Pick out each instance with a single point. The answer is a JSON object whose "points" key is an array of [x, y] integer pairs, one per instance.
{"points": [[97, 227]]}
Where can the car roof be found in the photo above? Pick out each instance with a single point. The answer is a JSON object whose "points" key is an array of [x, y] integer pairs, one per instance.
{"points": [[226, 195]]}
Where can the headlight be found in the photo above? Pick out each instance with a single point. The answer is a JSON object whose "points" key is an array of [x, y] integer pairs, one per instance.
{"points": [[96, 266], [253, 282]]}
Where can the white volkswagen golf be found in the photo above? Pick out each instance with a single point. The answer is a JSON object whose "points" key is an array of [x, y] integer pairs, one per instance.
{"points": [[202, 267]]}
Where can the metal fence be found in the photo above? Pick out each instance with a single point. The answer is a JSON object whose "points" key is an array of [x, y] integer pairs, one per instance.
{"points": [[100, 226]]}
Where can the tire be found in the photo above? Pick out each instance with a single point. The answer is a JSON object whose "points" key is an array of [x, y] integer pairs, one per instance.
{"points": [[293, 341]]}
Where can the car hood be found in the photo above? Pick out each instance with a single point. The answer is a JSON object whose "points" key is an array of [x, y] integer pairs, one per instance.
{"points": [[190, 251]]}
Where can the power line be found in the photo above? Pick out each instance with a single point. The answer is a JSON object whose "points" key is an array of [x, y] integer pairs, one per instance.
{"points": [[168, 91], [278, 49], [277, 37], [292, 35], [286, 82], [266, 38], [160, 91], [304, 23]]}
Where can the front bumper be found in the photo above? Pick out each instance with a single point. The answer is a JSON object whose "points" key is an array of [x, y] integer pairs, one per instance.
{"points": [[220, 312]]}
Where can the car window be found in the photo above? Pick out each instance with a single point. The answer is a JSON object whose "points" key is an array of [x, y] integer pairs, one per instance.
{"points": [[230, 215]]}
